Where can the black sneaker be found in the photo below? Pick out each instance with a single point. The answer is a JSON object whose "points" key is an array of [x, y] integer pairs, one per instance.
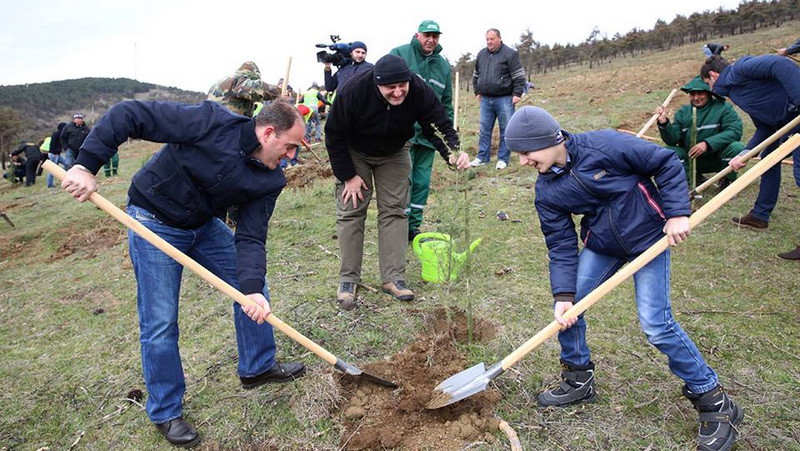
{"points": [[280, 372], [719, 416], [413, 234], [179, 432], [576, 387]]}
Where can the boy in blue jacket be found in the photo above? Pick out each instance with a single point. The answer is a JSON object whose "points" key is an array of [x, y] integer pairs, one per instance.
{"points": [[605, 176]]}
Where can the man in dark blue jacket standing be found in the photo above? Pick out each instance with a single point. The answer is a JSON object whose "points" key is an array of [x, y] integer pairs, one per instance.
{"points": [[766, 87], [605, 176], [212, 159]]}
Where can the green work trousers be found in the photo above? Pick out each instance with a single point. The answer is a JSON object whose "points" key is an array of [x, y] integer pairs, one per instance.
{"points": [[421, 166], [386, 177], [112, 166], [710, 161]]}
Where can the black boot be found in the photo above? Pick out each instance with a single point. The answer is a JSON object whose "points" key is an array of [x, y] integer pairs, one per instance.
{"points": [[719, 416], [179, 432], [577, 387]]}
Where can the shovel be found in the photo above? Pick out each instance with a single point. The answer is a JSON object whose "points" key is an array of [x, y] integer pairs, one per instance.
{"points": [[476, 379], [218, 283]]}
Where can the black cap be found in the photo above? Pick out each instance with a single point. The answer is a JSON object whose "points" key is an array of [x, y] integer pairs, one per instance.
{"points": [[391, 69]]}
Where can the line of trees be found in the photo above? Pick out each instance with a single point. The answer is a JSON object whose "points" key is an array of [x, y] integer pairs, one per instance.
{"points": [[598, 48], [38, 107]]}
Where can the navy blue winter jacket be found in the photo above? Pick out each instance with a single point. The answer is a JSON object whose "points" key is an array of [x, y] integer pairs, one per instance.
{"points": [[608, 181], [204, 168], [767, 87], [337, 80]]}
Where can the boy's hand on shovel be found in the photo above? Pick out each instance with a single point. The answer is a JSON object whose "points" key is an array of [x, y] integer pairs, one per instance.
{"points": [[259, 310], [677, 229], [559, 310]]}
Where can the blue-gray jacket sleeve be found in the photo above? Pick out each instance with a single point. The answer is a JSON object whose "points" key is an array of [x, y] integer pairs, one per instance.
{"points": [[517, 73], [561, 239], [783, 70]]}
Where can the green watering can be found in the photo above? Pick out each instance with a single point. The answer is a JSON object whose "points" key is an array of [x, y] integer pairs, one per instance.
{"points": [[440, 263]]}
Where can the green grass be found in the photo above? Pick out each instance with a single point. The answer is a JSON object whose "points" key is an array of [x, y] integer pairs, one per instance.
{"points": [[65, 370]]}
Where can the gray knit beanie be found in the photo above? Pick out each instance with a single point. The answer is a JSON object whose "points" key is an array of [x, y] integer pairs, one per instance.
{"points": [[532, 128]]}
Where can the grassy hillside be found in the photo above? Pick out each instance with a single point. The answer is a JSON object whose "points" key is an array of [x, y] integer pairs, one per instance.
{"points": [[43, 105], [69, 327]]}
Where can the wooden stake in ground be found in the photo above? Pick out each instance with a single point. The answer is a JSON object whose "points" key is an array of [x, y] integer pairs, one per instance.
{"points": [[693, 161], [455, 103], [655, 115], [756, 150], [285, 86]]}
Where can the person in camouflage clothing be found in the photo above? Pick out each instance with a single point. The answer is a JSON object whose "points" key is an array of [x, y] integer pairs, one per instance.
{"points": [[240, 91]]}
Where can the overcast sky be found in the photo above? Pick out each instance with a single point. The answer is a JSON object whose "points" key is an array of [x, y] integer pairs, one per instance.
{"points": [[191, 44]]}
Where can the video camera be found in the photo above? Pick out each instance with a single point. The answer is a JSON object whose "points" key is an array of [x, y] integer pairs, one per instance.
{"points": [[340, 55]]}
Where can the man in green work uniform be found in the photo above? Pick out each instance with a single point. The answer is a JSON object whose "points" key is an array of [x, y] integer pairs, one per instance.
{"points": [[423, 57], [711, 136]]}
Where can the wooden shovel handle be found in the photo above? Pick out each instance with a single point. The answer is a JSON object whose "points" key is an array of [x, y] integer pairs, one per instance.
{"points": [[192, 265], [701, 214], [655, 115], [756, 150]]}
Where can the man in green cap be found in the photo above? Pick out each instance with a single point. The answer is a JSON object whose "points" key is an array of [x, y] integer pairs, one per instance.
{"points": [[707, 130], [423, 56]]}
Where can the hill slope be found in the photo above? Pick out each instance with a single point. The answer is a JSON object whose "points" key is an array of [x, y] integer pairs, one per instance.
{"points": [[68, 305], [43, 105]]}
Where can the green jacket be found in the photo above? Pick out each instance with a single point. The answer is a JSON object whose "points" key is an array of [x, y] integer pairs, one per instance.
{"points": [[717, 122], [435, 71]]}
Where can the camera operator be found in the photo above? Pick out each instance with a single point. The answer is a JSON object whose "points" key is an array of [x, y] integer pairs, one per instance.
{"points": [[357, 64]]}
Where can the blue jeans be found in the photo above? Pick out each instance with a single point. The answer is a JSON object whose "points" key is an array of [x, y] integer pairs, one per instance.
{"points": [[770, 184], [500, 108], [62, 159], [655, 316], [158, 279]]}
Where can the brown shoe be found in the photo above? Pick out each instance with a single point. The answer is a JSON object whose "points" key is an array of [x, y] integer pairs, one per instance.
{"points": [[346, 296], [791, 255], [398, 290], [749, 221]]}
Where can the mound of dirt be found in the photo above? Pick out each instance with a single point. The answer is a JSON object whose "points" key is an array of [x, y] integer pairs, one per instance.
{"points": [[306, 173], [379, 418], [105, 236]]}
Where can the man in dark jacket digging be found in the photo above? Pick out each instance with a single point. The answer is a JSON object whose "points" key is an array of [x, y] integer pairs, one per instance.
{"points": [[766, 87], [369, 123], [213, 159], [606, 177]]}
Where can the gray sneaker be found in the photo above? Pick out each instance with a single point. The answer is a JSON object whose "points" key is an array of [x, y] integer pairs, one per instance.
{"points": [[576, 387], [346, 296]]}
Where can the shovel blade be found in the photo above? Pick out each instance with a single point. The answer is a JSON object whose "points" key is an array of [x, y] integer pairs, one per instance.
{"points": [[462, 385], [351, 370]]}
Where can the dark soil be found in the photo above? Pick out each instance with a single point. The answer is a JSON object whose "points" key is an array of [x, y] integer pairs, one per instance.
{"points": [[379, 418], [310, 170], [92, 242]]}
